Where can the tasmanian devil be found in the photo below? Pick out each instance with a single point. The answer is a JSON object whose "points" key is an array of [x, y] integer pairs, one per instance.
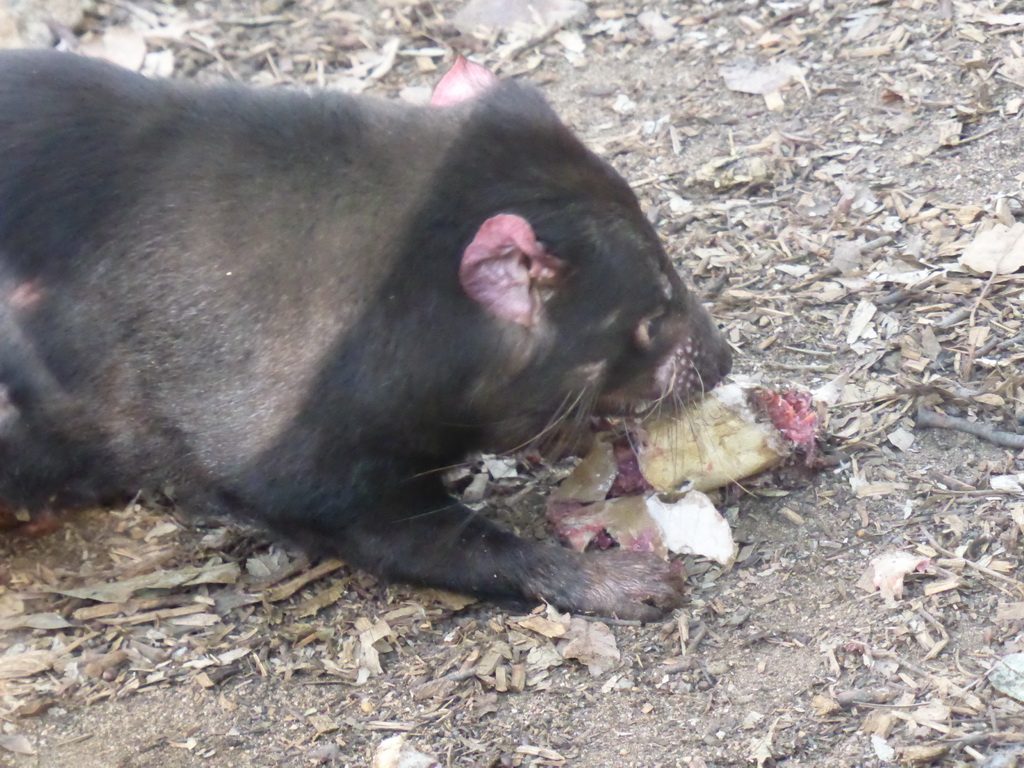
{"points": [[299, 307]]}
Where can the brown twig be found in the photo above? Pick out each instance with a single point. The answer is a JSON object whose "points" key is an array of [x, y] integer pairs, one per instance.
{"points": [[1000, 344], [932, 420], [968, 368], [970, 564]]}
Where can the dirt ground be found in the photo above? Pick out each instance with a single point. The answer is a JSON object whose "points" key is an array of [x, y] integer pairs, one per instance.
{"points": [[824, 222]]}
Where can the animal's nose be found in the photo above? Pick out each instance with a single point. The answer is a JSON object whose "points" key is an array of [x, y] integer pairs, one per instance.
{"points": [[712, 358], [719, 361]]}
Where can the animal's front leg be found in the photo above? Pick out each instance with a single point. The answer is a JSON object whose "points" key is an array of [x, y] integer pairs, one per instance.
{"points": [[444, 544]]}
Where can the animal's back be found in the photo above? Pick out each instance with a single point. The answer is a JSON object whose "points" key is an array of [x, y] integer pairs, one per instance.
{"points": [[216, 242]]}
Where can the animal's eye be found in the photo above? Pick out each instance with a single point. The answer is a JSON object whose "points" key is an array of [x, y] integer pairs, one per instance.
{"points": [[648, 329]]}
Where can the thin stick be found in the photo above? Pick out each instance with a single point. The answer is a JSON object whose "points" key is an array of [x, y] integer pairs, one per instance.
{"points": [[933, 420], [979, 568]]}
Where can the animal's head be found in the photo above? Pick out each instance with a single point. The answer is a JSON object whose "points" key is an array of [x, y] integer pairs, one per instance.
{"points": [[557, 253]]}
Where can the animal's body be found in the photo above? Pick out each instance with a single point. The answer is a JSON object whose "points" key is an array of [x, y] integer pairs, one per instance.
{"points": [[297, 307]]}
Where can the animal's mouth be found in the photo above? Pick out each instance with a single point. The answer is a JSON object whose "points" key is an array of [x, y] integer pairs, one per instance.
{"points": [[627, 405], [675, 382]]}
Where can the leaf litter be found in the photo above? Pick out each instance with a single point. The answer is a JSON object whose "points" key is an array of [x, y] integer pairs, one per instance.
{"points": [[853, 227]]}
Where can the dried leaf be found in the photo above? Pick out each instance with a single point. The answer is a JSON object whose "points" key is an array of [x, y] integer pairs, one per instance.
{"points": [[393, 752], [35, 621], [901, 438], [922, 754], [571, 40], [1010, 611], [861, 319], [935, 711], [970, 11], [883, 750], [532, 17], [999, 250], [824, 705], [1007, 676], [25, 664], [949, 132], [761, 748], [543, 626], [16, 743], [118, 45], [1011, 483], [885, 573], [656, 26], [120, 591], [747, 76], [592, 643]]}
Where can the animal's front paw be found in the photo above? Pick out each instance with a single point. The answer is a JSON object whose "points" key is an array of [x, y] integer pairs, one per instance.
{"points": [[620, 584], [630, 585]]}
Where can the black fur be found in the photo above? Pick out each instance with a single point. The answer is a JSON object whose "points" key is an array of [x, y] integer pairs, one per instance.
{"points": [[254, 296]]}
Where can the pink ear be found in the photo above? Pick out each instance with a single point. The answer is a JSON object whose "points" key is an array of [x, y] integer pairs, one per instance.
{"points": [[504, 266], [464, 81]]}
